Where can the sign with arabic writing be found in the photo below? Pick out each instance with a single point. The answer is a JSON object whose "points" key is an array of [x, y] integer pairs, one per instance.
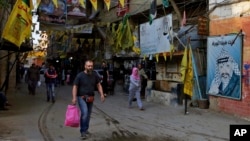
{"points": [[156, 38], [224, 66]]}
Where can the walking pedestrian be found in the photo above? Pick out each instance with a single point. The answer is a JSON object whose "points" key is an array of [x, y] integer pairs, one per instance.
{"points": [[144, 78], [83, 92], [33, 76], [105, 78], [134, 88], [50, 80]]}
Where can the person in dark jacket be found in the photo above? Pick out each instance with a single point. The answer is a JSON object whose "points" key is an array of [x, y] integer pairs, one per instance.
{"points": [[50, 80], [105, 78], [33, 76]]}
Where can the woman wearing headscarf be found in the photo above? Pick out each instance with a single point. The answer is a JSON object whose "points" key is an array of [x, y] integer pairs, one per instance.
{"points": [[134, 88]]}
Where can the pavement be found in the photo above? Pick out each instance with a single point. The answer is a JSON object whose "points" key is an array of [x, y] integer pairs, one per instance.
{"points": [[32, 118]]}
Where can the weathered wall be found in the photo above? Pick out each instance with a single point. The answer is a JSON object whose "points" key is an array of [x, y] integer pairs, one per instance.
{"points": [[6, 61], [225, 19]]}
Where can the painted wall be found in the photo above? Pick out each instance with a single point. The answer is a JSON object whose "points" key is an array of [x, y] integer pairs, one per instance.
{"points": [[225, 18]]}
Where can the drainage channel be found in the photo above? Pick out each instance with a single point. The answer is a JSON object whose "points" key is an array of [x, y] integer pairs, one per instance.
{"points": [[42, 124]]}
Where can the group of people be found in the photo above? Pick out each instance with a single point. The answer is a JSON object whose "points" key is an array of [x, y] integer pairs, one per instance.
{"points": [[32, 78], [84, 85]]}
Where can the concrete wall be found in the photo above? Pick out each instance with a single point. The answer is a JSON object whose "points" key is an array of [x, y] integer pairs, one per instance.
{"points": [[225, 19], [4, 63]]}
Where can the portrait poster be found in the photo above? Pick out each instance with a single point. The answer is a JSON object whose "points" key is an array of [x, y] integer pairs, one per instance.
{"points": [[157, 37], [224, 66], [49, 13], [75, 8]]}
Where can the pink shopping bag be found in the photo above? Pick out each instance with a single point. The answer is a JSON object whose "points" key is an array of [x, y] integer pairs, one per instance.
{"points": [[72, 117]]}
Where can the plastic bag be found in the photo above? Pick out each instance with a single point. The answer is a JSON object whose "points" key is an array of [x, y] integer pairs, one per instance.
{"points": [[72, 117], [39, 83]]}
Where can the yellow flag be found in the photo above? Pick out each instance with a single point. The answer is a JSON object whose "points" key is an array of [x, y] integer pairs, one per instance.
{"points": [[188, 82], [18, 26], [171, 51], [55, 3], [97, 41], [157, 57], [107, 2], [122, 3], [184, 63], [82, 2], [165, 56], [90, 41], [37, 3], [94, 4]]}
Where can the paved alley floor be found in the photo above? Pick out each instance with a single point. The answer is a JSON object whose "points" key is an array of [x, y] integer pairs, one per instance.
{"points": [[31, 118]]}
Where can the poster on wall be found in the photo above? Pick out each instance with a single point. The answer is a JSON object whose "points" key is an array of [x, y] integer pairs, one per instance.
{"points": [[156, 38], [75, 8], [224, 66], [49, 13]]}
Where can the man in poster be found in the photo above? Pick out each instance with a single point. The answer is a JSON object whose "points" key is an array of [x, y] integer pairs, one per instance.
{"points": [[226, 81]]}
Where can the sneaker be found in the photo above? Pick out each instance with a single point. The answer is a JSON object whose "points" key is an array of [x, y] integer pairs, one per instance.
{"points": [[142, 109], [83, 136], [88, 133]]}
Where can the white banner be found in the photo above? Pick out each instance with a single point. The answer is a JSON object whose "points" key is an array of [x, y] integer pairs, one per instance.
{"points": [[156, 38]]}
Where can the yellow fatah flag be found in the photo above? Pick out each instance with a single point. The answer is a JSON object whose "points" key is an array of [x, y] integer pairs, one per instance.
{"points": [[188, 82], [55, 3], [97, 41], [37, 3], [90, 41], [82, 2], [171, 51], [184, 63], [157, 57], [122, 3], [165, 56], [18, 26], [107, 2], [94, 4]]}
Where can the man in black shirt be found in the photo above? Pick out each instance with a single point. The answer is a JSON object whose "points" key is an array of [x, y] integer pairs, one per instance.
{"points": [[83, 93]]}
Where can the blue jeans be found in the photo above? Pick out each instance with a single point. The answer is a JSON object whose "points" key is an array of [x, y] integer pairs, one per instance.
{"points": [[50, 91], [86, 109]]}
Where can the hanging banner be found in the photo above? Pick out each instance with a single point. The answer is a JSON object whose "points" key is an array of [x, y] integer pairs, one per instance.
{"points": [[94, 4], [156, 38], [107, 2], [85, 28], [224, 57], [76, 8], [121, 11], [49, 13], [18, 26]]}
